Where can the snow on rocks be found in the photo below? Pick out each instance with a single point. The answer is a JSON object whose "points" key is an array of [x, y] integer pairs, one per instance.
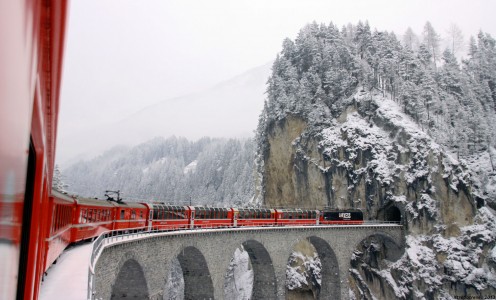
{"points": [[303, 271]]}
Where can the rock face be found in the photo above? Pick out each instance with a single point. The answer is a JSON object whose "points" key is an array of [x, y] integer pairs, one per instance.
{"points": [[375, 158], [356, 120]]}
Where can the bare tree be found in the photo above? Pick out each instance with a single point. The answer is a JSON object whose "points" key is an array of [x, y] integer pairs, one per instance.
{"points": [[431, 40], [455, 38], [410, 39]]}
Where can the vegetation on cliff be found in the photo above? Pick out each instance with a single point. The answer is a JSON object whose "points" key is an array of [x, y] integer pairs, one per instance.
{"points": [[356, 119]]}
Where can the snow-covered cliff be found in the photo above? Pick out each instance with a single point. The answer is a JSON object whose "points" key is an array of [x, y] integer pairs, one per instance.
{"points": [[355, 120]]}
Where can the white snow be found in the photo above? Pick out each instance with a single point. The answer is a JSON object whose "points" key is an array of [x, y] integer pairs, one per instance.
{"points": [[68, 278], [8, 266], [302, 267], [191, 167], [239, 281]]}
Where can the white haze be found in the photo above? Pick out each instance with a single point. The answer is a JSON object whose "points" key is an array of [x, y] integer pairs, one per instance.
{"points": [[129, 64]]}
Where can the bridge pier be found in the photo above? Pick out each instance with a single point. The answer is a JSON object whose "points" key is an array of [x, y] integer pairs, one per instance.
{"points": [[204, 257]]}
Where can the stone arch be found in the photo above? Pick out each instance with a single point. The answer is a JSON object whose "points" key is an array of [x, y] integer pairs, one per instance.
{"points": [[197, 279], [330, 280], [130, 281], [264, 278]]}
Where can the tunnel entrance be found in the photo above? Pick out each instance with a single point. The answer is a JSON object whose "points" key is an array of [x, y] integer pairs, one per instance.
{"points": [[130, 282], [197, 279], [392, 214]]}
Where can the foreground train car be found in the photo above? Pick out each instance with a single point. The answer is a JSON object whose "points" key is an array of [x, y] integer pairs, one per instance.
{"points": [[32, 41]]}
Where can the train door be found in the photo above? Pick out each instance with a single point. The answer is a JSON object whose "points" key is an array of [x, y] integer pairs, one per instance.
{"points": [[235, 218], [192, 224], [150, 218]]}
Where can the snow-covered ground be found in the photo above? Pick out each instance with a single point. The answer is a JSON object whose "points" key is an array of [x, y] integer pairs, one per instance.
{"points": [[8, 266], [68, 279]]}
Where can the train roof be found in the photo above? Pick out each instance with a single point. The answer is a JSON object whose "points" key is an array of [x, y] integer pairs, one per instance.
{"points": [[94, 202], [294, 210], [209, 208], [256, 209], [62, 196], [128, 204], [168, 206]]}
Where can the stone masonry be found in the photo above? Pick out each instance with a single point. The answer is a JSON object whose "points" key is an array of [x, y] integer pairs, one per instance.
{"points": [[137, 268]]}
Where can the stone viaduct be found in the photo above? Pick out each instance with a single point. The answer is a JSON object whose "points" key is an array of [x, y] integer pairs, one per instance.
{"points": [[138, 267]]}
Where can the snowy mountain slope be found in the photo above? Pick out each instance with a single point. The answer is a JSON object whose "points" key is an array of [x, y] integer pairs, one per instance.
{"points": [[229, 109]]}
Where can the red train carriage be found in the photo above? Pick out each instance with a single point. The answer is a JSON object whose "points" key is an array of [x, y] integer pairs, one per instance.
{"points": [[297, 217], [129, 215], [340, 217], [208, 217], [93, 217], [61, 214], [32, 41], [254, 217], [167, 217]]}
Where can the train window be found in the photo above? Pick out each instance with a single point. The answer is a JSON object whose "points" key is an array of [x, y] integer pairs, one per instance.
{"points": [[133, 215], [122, 214], [141, 214]]}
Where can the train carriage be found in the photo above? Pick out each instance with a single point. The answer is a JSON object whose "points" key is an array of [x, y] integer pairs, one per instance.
{"points": [[209, 217], [129, 215], [93, 217], [296, 216], [167, 217], [254, 217], [61, 214], [341, 217]]}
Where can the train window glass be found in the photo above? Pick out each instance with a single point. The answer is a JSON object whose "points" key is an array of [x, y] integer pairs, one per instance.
{"points": [[133, 214], [155, 214], [141, 214], [122, 214]]}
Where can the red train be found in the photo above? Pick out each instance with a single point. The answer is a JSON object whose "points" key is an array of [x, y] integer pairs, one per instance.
{"points": [[32, 41], [74, 219], [36, 224]]}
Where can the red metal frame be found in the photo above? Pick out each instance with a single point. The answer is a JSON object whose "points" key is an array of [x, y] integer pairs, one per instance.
{"points": [[60, 218], [32, 38]]}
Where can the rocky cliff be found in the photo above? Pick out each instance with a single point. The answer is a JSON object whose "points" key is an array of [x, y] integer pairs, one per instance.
{"points": [[328, 137]]}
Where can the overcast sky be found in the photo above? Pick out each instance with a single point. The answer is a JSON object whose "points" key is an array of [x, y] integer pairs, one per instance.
{"points": [[123, 55]]}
